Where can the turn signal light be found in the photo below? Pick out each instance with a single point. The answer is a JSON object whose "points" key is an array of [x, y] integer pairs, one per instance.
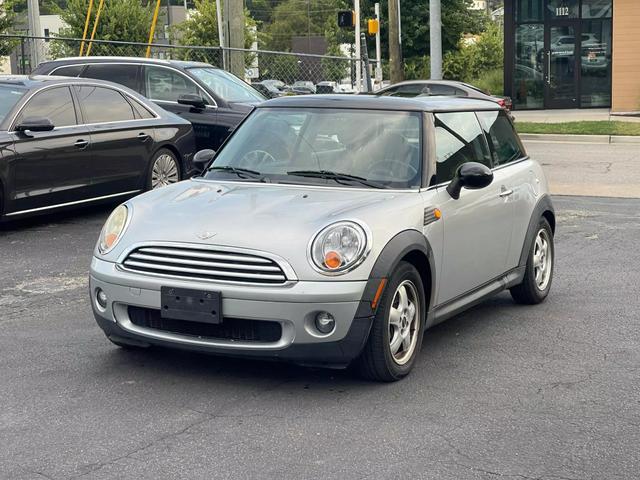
{"points": [[332, 260]]}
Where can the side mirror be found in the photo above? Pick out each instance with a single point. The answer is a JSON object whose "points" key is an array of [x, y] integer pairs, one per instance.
{"points": [[202, 158], [195, 101], [35, 124], [470, 175]]}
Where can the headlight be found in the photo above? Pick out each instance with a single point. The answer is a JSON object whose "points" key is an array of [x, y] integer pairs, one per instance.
{"points": [[113, 228], [339, 247]]}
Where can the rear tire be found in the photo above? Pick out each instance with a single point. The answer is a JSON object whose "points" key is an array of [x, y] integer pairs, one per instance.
{"points": [[539, 270], [164, 169], [398, 327]]}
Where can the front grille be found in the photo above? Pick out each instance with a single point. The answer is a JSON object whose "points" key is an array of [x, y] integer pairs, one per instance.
{"points": [[238, 329], [189, 262]]}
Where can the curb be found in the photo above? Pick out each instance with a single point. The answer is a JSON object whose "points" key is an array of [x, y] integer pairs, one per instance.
{"points": [[541, 137]]}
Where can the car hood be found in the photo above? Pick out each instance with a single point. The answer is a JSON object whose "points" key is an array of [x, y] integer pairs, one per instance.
{"points": [[275, 218]]}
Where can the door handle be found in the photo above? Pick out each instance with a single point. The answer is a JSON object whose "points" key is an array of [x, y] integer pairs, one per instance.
{"points": [[81, 144], [142, 136], [505, 192]]}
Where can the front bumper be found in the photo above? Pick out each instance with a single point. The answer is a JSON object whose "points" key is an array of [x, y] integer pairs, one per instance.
{"points": [[293, 306]]}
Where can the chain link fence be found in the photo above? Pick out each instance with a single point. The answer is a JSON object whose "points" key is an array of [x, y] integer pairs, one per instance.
{"points": [[293, 69]]}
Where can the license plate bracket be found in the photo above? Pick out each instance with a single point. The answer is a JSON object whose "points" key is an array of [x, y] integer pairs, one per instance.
{"points": [[191, 305]]}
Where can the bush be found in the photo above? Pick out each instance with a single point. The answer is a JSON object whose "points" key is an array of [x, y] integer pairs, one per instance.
{"points": [[491, 82]]}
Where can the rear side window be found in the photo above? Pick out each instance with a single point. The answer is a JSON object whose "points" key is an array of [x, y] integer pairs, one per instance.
{"points": [[126, 75], [56, 104], [168, 85], [141, 111], [101, 104], [69, 71], [505, 144], [459, 139]]}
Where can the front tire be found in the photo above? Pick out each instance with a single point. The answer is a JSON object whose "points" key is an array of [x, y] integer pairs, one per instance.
{"points": [[539, 270], [398, 326], [164, 169]]}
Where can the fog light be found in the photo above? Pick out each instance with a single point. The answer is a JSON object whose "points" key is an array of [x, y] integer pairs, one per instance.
{"points": [[101, 298], [325, 323]]}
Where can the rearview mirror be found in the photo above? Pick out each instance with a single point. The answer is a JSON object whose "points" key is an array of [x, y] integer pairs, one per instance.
{"points": [[192, 100], [35, 124], [202, 158], [470, 175]]}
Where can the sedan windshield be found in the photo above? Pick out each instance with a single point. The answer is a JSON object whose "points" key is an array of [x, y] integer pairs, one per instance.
{"points": [[9, 96], [337, 147], [226, 86]]}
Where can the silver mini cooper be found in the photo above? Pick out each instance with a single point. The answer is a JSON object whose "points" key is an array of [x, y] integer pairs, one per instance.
{"points": [[330, 230]]}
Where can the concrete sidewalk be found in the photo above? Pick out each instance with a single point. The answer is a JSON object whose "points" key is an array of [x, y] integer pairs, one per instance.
{"points": [[572, 115]]}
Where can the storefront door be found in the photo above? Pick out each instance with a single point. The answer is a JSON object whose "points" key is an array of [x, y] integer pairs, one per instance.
{"points": [[562, 65]]}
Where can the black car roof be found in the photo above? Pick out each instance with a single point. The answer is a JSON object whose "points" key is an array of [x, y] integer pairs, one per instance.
{"points": [[372, 102], [150, 61]]}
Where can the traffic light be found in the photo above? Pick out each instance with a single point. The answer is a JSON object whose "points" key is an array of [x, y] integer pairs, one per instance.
{"points": [[373, 26], [346, 19]]}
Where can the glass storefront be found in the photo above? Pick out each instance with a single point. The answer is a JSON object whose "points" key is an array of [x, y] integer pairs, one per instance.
{"points": [[561, 56]]}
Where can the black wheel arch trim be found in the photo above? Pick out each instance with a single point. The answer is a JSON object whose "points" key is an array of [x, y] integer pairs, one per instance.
{"points": [[544, 208], [399, 247]]}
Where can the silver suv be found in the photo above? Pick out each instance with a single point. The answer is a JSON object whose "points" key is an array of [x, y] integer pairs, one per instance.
{"points": [[330, 230]]}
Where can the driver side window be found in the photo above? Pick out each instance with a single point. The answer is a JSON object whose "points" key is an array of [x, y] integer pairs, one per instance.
{"points": [[459, 139]]}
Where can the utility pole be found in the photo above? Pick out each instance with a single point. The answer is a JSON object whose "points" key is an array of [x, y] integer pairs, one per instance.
{"points": [[168, 31], [435, 33], [356, 6], [235, 39], [33, 12], [378, 57], [395, 50], [221, 36]]}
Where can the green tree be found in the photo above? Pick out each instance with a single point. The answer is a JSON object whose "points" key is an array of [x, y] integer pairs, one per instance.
{"points": [[121, 20], [201, 29], [7, 18]]}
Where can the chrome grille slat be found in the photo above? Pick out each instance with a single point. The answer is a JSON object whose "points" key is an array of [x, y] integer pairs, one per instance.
{"points": [[185, 261], [201, 264], [204, 254]]}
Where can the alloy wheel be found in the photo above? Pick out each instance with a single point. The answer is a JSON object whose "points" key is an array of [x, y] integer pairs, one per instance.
{"points": [[404, 322], [164, 172]]}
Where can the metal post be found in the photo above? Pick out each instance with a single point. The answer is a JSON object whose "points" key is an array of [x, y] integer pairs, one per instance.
{"points": [[23, 60], [153, 27], [95, 26], [435, 34], [169, 21], [365, 62], [86, 26], [378, 54], [33, 12], [357, 42], [395, 49]]}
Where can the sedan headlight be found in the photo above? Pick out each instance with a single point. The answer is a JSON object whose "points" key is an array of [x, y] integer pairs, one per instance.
{"points": [[113, 229], [339, 248]]}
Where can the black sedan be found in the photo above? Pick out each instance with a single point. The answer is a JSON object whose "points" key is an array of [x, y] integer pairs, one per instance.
{"points": [[213, 100], [66, 142]]}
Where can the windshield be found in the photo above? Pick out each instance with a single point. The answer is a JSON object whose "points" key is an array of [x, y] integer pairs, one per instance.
{"points": [[295, 145], [9, 96], [226, 86]]}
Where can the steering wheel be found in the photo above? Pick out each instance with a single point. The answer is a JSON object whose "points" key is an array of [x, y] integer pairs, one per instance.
{"points": [[394, 168], [255, 159]]}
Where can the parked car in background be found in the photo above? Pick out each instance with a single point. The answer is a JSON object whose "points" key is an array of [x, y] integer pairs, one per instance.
{"points": [[327, 87], [66, 142], [330, 230], [213, 100], [413, 88], [302, 87], [271, 88]]}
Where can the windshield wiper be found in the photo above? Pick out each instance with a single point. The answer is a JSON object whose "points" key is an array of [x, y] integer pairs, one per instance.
{"points": [[241, 172], [338, 177]]}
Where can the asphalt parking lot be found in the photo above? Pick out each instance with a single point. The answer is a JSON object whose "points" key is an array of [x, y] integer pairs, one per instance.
{"points": [[502, 391]]}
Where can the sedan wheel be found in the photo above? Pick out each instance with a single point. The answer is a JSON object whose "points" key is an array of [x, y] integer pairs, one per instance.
{"points": [[542, 259], [397, 329], [164, 170]]}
